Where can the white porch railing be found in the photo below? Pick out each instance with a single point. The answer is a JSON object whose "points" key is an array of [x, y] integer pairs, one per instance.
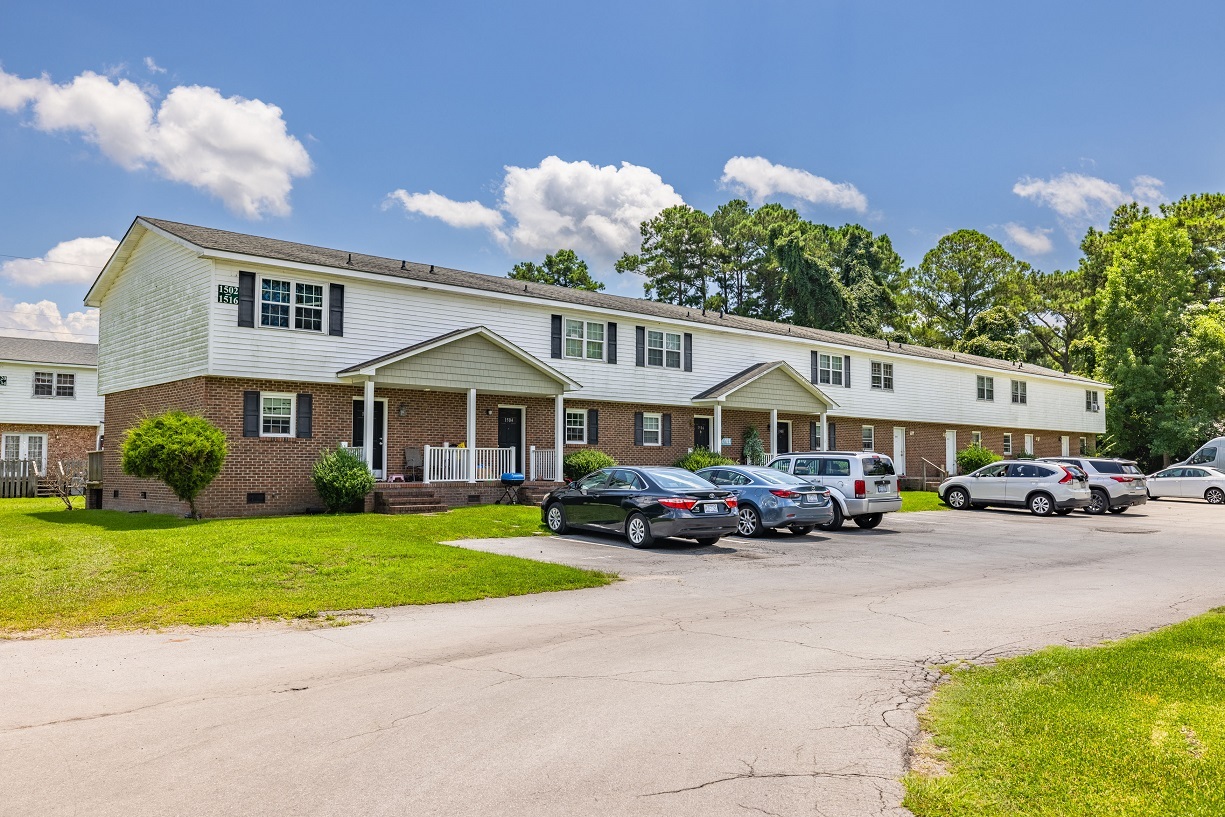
{"points": [[542, 465], [451, 464]]}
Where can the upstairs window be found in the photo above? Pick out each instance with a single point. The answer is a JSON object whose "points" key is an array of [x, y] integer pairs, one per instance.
{"points": [[65, 385], [55, 384], [1018, 392], [274, 303], [986, 388], [44, 384], [286, 304], [584, 339], [663, 349], [308, 307], [276, 415], [829, 370], [1091, 403], [882, 376]]}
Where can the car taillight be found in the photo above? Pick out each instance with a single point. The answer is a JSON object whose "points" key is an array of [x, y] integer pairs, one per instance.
{"points": [[731, 501], [1124, 479], [861, 489], [1067, 477], [677, 503], [783, 493]]}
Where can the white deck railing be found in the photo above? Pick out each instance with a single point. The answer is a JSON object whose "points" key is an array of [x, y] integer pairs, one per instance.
{"points": [[543, 465], [451, 464]]}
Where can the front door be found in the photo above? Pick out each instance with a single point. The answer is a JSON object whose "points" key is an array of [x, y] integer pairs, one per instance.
{"points": [[359, 431], [783, 433], [701, 432], [950, 451], [26, 447], [899, 450], [510, 433]]}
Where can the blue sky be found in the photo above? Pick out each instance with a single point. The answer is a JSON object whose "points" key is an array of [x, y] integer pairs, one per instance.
{"points": [[306, 122]]}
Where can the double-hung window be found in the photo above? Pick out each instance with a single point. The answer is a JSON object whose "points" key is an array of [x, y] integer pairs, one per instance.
{"points": [[44, 384], [829, 370], [54, 384], [663, 349], [976, 438], [986, 388], [1007, 444], [308, 307], [1018, 392], [869, 438], [286, 304], [276, 415], [651, 425], [65, 385], [576, 427], [584, 339], [274, 298], [1091, 403], [882, 375]]}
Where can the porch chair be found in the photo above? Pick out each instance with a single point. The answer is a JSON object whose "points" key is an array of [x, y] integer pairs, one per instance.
{"points": [[414, 464]]}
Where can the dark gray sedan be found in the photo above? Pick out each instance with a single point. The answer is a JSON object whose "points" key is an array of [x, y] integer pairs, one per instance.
{"points": [[768, 498]]}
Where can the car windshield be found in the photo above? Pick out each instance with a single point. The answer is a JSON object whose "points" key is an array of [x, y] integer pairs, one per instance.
{"points": [[1203, 455], [679, 479], [877, 467]]}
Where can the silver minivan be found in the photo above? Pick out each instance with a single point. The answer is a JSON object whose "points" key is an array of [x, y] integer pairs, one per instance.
{"points": [[861, 483]]}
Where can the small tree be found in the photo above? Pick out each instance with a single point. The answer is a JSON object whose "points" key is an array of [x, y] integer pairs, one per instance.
{"points": [[584, 461], [973, 457], [68, 480], [342, 479], [184, 451], [700, 458], [754, 450]]}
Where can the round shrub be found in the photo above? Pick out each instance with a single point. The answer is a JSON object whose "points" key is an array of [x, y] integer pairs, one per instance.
{"points": [[583, 462], [702, 458], [974, 457], [182, 450], [342, 479]]}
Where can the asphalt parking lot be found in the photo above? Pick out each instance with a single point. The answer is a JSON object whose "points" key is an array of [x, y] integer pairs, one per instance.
{"points": [[773, 676]]}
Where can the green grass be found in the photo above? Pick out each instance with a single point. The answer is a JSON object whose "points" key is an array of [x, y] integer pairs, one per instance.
{"points": [[1134, 727], [922, 501], [68, 570]]}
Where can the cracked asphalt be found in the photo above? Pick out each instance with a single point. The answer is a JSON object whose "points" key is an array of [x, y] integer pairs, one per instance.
{"points": [[774, 676]]}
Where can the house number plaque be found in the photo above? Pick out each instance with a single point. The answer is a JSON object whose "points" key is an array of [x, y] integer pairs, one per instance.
{"points": [[227, 294], [4, 381]]}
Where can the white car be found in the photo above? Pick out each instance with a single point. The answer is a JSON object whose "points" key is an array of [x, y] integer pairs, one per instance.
{"points": [[1043, 487], [1195, 482]]}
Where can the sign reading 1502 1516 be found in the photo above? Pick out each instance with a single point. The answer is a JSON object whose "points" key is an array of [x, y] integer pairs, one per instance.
{"points": [[227, 294]]}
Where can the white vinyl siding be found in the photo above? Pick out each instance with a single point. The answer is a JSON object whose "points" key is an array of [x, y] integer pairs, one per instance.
{"points": [[20, 404], [584, 339], [882, 375], [651, 428], [576, 427]]}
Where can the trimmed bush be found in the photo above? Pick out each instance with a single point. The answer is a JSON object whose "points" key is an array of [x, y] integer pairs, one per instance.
{"points": [[702, 458], [974, 457], [342, 479], [583, 462], [754, 450], [183, 450]]}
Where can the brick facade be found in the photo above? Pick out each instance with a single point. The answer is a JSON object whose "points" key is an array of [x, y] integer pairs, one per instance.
{"points": [[63, 442]]}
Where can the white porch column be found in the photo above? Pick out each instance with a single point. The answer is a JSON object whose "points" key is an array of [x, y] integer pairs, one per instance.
{"points": [[824, 431], [470, 454], [368, 422], [718, 430], [773, 433], [559, 435]]}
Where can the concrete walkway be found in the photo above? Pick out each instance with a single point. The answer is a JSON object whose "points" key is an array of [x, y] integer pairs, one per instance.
{"points": [[777, 676]]}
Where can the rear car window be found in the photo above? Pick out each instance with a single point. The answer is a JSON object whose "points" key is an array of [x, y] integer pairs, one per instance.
{"points": [[626, 480], [1106, 467], [1028, 471], [877, 467], [772, 478], [835, 468], [679, 479]]}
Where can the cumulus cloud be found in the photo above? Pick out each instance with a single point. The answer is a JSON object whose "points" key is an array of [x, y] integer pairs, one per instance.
{"points": [[759, 178], [1079, 199], [594, 210], [77, 261], [236, 149], [43, 320], [1034, 242], [153, 67]]}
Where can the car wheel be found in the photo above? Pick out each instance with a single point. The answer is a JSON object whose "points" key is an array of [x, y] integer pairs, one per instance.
{"points": [[801, 530], [957, 499], [1099, 502], [1041, 505], [749, 523], [869, 520], [1119, 509], [1151, 498], [707, 541], [638, 531], [1063, 511], [836, 522], [1215, 496], [555, 518]]}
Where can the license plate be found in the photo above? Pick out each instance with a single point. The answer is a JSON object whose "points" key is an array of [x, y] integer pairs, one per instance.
{"points": [[812, 497], [710, 507], [882, 489]]}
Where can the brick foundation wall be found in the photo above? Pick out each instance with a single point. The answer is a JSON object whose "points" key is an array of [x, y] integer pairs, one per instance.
{"points": [[63, 442]]}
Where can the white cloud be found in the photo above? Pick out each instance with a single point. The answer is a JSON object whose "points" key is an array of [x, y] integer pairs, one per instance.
{"points": [[1081, 199], [759, 178], [1034, 242], [77, 261], [43, 320], [236, 149], [594, 210], [153, 67]]}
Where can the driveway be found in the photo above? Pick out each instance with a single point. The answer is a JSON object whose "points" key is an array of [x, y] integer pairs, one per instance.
{"points": [[774, 676]]}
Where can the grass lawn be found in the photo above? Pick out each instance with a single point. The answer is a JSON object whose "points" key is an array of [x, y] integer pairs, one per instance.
{"points": [[922, 501], [1134, 727], [66, 570]]}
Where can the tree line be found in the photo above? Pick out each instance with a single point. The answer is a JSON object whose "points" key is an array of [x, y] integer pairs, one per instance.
{"points": [[1142, 310]]}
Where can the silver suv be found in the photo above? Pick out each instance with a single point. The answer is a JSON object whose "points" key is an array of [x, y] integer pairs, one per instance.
{"points": [[1043, 487], [1116, 484], [861, 483]]}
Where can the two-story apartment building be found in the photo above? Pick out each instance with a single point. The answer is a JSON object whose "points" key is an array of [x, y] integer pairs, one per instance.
{"points": [[50, 409], [292, 349]]}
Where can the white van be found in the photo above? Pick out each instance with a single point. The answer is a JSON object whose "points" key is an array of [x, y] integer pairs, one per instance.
{"points": [[1211, 453]]}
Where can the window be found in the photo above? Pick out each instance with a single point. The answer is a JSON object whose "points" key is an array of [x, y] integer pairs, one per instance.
{"points": [[1008, 444], [869, 438], [595, 481], [1018, 392], [276, 415], [651, 428], [882, 376], [43, 384], [278, 298], [663, 349], [829, 370], [576, 427], [65, 385], [835, 468], [584, 339], [55, 384], [993, 470], [26, 447], [1084, 446], [274, 303], [1091, 403], [976, 438], [807, 468], [986, 388], [308, 307]]}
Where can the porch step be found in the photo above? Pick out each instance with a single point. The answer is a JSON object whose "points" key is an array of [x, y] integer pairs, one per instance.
{"points": [[397, 508]]}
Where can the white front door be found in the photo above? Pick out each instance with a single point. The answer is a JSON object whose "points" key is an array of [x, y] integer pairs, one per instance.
{"points": [[1065, 446], [1029, 444], [26, 447], [950, 451], [899, 450]]}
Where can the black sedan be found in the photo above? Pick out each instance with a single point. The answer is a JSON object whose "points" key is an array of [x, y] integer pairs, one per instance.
{"points": [[645, 504]]}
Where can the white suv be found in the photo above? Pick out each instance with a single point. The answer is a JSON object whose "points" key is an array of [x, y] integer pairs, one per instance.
{"points": [[861, 483], [1116, 484], [1043, 487]]}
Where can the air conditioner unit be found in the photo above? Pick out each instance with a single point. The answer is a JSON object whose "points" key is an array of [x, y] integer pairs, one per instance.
{"points": [[1096, 408]]}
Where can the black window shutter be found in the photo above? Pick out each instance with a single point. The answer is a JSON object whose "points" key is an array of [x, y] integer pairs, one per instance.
{"points": [[688, 352], [611, 342], [812, 436], [665, 433], [593, 426], [640, 346], [555, 347], [637, 428], [304, 417], [831, 432], [846, 371], [336, 310], [816, 367], [250, 414], [246, 299]]}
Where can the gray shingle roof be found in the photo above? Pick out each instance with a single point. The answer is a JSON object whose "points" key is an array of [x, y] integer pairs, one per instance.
{"points": [[737, 380], [61, 352], [225, 241]]}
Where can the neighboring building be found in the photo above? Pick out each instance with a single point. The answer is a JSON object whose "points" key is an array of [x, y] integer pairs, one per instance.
{"points": [[292, 349], [49, 404]]}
